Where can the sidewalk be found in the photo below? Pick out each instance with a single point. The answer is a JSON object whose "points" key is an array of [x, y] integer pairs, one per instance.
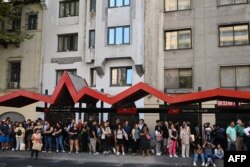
{"points": [[127, 159]]}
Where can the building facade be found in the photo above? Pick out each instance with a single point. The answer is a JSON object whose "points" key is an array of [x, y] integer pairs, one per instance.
{"points": [[20, 65], [196, 44], [101, 41]]}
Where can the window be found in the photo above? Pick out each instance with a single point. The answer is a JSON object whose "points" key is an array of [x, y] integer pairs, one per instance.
{"points": [[232, 35], [14, 75], [92, 5], [178, 78], [59, 73], [91, 38], [235, 76], [175, 5], [230, 2], [32, 22], [121, 76], [93, 75], [118, 35], [69, 8], [118, 3], [178, 39], [67, 42]]}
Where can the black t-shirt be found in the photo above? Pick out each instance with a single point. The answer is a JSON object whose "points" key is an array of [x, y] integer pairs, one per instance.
{"points": [[92, 128], [165, 132], [57, 129], [47, 130]]}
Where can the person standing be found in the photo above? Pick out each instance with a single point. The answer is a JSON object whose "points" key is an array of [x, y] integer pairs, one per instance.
{"points": [[106, 132], [165, 137], [240, 134], [173, 134], [119, 139], [73, 136], [4, 135], [58, 133], [36, 139], [48, 130], [93, 138], [185, 140], [127, 129], [231, 136], [85, 138], [135, 141], [145, 140], [159, 137], [20, 133], [247, 133]]}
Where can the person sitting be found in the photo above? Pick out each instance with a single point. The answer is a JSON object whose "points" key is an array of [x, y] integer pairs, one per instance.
{"points": [[198, 152], [218, 152], [208, 153]]}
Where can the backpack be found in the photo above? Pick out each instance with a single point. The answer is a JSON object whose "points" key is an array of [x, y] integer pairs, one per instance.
{"points": [[19, 132]]}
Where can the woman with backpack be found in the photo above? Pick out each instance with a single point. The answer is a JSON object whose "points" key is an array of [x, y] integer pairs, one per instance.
{"points": [[20, 133]]}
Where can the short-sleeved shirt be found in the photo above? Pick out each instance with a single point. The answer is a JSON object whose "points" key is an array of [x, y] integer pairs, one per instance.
{"points": [[4, 129], [239, 130], [92, 128], [232, 133]]}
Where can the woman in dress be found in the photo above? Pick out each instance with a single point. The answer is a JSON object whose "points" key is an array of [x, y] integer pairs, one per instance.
{"points": [[36, 139], [145, 140], [73, 136]]}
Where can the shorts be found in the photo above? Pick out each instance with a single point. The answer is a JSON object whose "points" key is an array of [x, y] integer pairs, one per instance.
{"points": [[120, 141], [4, 139]]}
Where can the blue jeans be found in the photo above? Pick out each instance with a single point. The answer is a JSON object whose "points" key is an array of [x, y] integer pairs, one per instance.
{"points": [[48, 143], [196, 156], [212, 157], [59, 142]]}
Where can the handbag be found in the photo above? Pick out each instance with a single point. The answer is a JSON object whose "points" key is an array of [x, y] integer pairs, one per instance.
{"points": [[37, 146], [148, 136], [22, 147]]}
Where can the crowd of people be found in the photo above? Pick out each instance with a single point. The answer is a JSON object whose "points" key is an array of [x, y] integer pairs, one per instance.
{"points": [[168, 138]]}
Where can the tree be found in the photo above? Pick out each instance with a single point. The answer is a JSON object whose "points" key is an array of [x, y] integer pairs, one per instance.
{"points": [[10, 22]]}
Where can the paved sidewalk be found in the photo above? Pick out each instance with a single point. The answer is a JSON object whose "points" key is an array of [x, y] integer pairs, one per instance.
{"points": [[127, 159]]}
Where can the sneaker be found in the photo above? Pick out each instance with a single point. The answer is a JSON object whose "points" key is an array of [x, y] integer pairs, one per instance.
{"points": [[117, 153], [203, 164], [63, 151], [170, 156], [76, 152], [159, 154], [95, 154], [90, 153], [57, 151], [206, 164], [214, 165], [70, 152], [194, 164], [44, 151], [114, 150], [187, 156], [183, 156], [175, 155], [50, 151], [14, 149], [123, 153]]}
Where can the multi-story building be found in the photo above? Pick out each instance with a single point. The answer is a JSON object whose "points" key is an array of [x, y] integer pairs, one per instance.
{"points": [[20, 65], [101, 41], [191, 44]]}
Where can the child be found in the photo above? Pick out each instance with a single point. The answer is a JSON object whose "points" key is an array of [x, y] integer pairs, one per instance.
{"points": [[208, 152], [199, 152], [218, 152]]}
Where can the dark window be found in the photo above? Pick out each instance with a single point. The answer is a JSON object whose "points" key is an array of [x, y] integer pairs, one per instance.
{"points": [[230, 2], [69, 8], [119, 35], [235, 76], [231, 35], [67, 42], [178, 78], [121, 76], [32, 22], [92, 5], [59, 73], [93, 75], [118, 3], [91, 38], [178, 39], [14, 75], [175, 5]]}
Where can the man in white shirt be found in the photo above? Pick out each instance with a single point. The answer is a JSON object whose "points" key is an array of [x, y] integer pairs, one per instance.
{"points": [[247, 132]]}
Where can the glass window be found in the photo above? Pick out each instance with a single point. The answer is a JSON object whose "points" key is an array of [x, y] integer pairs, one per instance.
{"points": [[32, 22], [178, 39], [67, 42], [69, 8], [92, 39], [93, 75], [92, 5], [178, 78], [118, 35], [118, 3], [14, 75], [175, 5], [230, 2], [59, 73], [235, 76], [234, 35], [121, 76]]}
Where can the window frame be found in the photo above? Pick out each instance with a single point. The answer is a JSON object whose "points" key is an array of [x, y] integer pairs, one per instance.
{"points": [[29, 27], [123, 27], [178, 69], [165, 11], [118, 85], [177, 30], [90, 41], [235, 76], [70, 3], [123, 4], [9, 77], [233, 25], [92, 71], [67, 35], [92, 6], [232, 3]]}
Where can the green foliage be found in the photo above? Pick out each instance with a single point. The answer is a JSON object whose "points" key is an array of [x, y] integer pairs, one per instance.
{"points": [[10, 15]]}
